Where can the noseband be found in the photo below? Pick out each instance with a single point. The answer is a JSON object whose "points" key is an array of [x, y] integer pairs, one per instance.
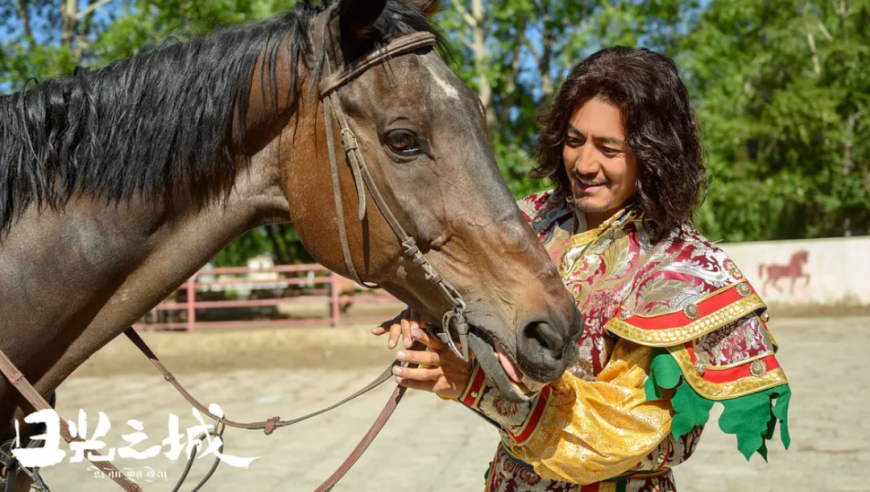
{"points": [[329, 87]]}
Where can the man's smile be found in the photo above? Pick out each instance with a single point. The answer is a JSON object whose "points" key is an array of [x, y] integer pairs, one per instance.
{"points": [[589, 187]]}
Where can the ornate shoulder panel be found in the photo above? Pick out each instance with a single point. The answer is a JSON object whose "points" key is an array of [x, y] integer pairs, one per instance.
{"points": [[694, 319], [734, 365], [734, 361]]}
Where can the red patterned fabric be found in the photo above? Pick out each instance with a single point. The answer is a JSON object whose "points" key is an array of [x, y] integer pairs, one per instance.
{"points": [[508, 474], [616, 274]]}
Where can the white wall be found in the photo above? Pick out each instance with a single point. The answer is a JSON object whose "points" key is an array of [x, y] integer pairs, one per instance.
{"points": [[836, 271]]}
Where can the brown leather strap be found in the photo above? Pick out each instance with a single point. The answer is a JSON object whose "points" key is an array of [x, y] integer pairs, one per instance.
{"points": [[336, 195], [268, 425], [36, 400], [364, 443], [398, 46], [453, 319]]}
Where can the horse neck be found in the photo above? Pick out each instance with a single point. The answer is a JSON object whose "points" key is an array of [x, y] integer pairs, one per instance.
{"points": [[86, 272], [89, 271]]}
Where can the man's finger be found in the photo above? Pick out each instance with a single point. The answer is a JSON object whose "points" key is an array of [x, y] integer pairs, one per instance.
{"points": [[406, 329], [395, 331], [417, 373], [428, 340], [385, 326], [391, 326], [417, 385], [424, 357]]}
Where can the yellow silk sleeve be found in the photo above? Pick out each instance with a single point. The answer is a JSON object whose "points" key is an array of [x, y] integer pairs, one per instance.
{"points": [[594, 431]]}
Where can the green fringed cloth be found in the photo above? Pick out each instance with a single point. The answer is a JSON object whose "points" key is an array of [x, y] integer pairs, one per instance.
{"points": [[752, 418]]}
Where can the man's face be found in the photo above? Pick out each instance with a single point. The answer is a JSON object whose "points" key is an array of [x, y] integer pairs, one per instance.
{"points": [[603, 174]]}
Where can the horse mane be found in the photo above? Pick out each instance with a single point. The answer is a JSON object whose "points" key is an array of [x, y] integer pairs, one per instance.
{"points": [[160, 121]]}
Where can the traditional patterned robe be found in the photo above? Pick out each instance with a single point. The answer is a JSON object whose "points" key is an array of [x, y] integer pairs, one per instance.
{"points": [[670, 328]]}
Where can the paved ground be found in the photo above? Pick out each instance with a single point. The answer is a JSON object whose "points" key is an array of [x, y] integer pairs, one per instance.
{"points": [[432, 445]]}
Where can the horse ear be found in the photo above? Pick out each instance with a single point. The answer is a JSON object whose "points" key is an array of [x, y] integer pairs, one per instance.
{"points": [[358, 16], [429, 7]]}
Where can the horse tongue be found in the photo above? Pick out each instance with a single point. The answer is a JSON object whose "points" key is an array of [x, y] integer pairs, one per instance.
{"points": [[509, 367]]}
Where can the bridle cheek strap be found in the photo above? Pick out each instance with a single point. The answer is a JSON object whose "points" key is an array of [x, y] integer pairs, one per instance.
{"points": [[454, 319]]}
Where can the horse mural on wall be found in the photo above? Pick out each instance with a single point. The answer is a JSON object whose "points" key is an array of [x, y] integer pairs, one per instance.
{"points": [[794, 271]]}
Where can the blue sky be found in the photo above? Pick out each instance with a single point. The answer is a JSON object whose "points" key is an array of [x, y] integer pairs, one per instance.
{"points": [[12, 27]]}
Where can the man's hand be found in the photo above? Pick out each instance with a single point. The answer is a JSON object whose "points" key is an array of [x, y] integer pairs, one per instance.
{"points": [[441, 371], [402, 324]]}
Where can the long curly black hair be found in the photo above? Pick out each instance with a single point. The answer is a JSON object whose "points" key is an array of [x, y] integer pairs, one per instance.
{"points": [[661, 130]]}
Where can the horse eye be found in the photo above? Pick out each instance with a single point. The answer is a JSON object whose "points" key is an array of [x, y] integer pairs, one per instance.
{"points": [[403, 142]]}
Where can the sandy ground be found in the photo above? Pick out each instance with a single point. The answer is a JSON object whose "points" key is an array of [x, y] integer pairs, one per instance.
{"points": [[430, 444]]}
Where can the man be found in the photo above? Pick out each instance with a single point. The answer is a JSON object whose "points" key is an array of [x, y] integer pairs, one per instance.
{"points": [[671, 325]]}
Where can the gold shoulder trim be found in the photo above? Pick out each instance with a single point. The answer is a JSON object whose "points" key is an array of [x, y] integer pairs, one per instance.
{"points": [[667, 330], [742, 383]]}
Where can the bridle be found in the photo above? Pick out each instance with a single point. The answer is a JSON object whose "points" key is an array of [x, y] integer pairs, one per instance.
{"points": [[329, 87], [452, 321]]}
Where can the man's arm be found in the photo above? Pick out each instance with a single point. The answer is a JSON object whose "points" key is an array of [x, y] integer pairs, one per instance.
{"points": [[579, 431]]}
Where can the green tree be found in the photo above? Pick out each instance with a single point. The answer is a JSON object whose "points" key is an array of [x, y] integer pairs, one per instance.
{"points": [[46, 38], [783, 92]]}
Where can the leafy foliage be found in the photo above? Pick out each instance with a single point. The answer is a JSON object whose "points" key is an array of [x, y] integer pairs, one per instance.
{"points": [[783, 89]]}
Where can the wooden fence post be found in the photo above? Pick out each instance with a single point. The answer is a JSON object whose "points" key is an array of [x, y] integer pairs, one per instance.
{"points": [[191, 302], [334, 300]]}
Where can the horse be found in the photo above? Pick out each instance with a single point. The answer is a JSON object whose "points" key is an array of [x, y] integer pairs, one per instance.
{"points": [[793, 270], [118, 183]]}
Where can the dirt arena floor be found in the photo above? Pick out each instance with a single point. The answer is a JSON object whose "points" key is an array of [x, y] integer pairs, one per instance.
{"points": [[430, 444]]}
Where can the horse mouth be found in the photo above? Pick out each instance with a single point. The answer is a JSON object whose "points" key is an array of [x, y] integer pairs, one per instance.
{"points": [[513, 372], [502, 371]]}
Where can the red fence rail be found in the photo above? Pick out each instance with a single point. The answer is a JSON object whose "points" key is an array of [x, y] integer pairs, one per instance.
{"points": [[300, 285]]}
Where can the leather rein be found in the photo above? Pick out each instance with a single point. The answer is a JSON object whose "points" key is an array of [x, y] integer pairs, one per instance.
{"points": [[453, 319]]}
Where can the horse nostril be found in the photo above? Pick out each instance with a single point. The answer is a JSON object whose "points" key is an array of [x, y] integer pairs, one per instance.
{"points": [[542, 349], [545, 335]]}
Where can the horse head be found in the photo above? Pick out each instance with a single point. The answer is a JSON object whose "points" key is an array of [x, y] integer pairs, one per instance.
{"points": [[801, 257], [421, 132]]}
